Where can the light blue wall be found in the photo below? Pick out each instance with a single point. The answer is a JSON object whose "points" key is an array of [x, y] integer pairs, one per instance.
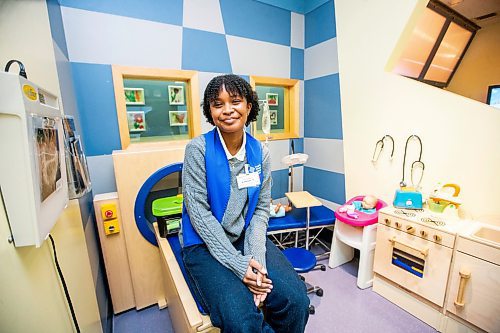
{"points": [[323, 139], [223, 37]]}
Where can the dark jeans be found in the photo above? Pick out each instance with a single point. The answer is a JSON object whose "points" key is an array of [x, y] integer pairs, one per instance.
{"points": [[230, 303]]}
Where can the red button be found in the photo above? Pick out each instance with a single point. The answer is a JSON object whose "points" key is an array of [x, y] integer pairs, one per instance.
{"points": [[108, 214]]}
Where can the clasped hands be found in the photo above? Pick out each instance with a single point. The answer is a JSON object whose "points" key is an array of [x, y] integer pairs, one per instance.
{"points": [[257, 281]]}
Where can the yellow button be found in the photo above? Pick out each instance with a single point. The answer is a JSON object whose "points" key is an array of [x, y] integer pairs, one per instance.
{"points": [[111, 227]]}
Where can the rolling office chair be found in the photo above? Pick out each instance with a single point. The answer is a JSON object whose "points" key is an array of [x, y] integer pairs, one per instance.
{"points": [[302, 259]]}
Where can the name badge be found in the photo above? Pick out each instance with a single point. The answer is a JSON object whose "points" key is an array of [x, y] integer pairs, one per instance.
{"points": [[246, 180]]}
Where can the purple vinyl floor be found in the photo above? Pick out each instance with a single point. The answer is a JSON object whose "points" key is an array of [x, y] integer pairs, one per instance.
{"points": [[343, 308]]}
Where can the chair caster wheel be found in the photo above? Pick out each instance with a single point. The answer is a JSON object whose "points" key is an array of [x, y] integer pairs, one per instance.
{"points": [[323, 268], [319, 292], [302, 278], [312, 310]]}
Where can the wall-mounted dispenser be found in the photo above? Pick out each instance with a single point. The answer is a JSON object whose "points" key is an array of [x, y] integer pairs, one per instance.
{"points": [[33, 178]]}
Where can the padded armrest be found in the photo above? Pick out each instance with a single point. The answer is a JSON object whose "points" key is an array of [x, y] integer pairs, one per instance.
{"points": [[182, 306]]}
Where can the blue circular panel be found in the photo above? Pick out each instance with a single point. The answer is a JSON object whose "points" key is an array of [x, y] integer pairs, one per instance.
{"points": [[140, 201]]}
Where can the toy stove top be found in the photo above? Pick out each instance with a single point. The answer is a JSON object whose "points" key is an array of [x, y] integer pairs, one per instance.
{"points": [[426, 218]]}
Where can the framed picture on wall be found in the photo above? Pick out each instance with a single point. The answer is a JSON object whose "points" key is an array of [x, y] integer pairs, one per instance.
{"points": [[177, 118], [272, 99], [136, 121], [176, 95], [273, 115], [134, 96]]}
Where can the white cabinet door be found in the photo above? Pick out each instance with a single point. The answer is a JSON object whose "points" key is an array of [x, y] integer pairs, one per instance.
{"points": [[481, 292]]}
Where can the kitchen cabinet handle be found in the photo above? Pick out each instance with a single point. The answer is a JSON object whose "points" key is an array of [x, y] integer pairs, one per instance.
{"points": [[464, 277], [423, 252]]}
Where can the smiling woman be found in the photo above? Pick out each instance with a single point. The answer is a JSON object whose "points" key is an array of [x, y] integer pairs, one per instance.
{"points": [[226, 183]]}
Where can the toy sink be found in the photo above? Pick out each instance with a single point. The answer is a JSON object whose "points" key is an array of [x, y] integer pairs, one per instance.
{"points": [[488, 233]]}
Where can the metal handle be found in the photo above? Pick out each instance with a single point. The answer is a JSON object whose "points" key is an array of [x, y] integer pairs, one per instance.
{"points": [[464, 277], [423, 252]]}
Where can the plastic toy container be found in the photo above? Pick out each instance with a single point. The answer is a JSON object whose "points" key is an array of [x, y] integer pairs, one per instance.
{"points": [[168, 213]]}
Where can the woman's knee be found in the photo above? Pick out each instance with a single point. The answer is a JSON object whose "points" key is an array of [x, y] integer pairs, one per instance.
{"points": [[239, 319]]}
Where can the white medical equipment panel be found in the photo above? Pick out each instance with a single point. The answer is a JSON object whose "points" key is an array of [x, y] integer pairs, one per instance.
{"points": [[33, 176]]}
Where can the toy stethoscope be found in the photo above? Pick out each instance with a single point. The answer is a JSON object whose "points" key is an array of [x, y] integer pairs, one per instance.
{"points": [[379, 146], [416, 164]]}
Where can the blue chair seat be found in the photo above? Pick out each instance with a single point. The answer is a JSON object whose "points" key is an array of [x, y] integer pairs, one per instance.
{"points": [[301, 259], [321, 216]]}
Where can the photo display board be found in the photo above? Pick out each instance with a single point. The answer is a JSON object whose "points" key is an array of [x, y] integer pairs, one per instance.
{"points": [[156, 110]]}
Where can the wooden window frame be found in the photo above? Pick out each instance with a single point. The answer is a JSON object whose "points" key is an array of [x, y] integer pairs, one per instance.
{"points": [[291, 106], [450, 16], [192, 97]]}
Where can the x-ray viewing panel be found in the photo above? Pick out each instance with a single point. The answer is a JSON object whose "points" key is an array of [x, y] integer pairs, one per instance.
{"points": [[33, 176]]}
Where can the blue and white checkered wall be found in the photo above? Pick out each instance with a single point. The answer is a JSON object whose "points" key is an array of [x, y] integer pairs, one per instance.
{"points": [[245, 37]]}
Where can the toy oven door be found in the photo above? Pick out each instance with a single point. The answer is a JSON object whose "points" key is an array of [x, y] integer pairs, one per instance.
{"points": [[418, 265]]}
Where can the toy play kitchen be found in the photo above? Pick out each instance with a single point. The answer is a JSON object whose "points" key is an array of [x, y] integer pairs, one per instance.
{"points": [[413, 255]]}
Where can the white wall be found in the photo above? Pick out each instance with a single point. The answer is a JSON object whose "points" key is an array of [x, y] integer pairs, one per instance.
{"points": [[460, 135], [31, 296]]}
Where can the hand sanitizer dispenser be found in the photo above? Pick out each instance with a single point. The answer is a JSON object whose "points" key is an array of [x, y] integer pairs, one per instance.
{"points": [[33, 178]]}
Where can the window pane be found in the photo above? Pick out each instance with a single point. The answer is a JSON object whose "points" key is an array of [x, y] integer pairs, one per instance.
{"points": [[449, 52], [420, 44], [278, 103], [156, 110]]}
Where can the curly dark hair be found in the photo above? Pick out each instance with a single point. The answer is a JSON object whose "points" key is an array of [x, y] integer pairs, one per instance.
{"points": [[235, 86]]}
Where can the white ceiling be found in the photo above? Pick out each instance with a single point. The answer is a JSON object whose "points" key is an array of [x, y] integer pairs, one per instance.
{"points": [[476, 8]]}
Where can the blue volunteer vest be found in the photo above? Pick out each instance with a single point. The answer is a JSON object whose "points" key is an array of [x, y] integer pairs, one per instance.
{"points": [[219, 182]]}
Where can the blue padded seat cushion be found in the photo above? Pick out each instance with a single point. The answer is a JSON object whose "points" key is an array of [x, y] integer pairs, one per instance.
{"points": [[296, 219], [301, 259], [176, 249]]}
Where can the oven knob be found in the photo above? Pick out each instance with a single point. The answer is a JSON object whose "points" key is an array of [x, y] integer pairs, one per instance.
{"points": [[423, 233], [387, 221], [398, 225], [410, 229], [437, 238]]}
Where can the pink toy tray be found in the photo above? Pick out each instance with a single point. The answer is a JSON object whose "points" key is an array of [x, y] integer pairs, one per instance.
{"points": [[363, 218]]}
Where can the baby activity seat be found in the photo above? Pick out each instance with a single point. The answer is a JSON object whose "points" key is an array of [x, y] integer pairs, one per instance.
{"points": [[356, 233]]}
